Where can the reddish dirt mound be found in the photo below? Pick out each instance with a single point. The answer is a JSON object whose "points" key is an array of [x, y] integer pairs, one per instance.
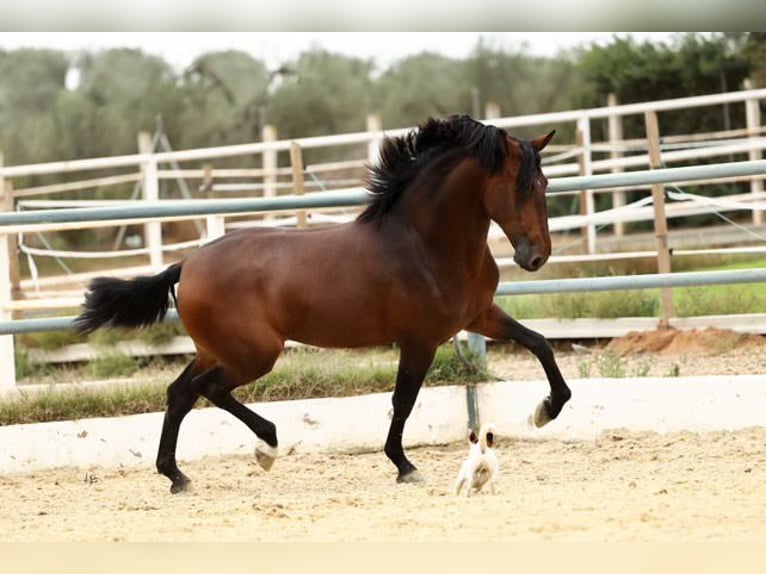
{"points": [[690, 343]]}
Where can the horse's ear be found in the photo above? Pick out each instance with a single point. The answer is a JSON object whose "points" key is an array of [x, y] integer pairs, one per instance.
{"points": [[540, 143]]}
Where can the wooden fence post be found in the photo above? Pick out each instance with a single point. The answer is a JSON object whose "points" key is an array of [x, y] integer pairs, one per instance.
{"points": [[753, 118], [269, 134], [7, 357], [491, 111], [207, 179], [614, 124], [151, 192], [216, 227], [660, 220], [13, 249], [373, 148], [296, 161], [587, 204]]}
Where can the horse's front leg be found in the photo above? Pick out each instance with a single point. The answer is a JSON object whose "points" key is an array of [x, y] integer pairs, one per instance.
{"points": [[497, 324], [414, 361]]}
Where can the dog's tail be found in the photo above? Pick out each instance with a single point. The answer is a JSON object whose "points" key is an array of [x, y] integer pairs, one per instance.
{"points": [[486, 437]]}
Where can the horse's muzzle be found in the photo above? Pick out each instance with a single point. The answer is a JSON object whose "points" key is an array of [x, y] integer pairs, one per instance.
{"points": [[528, 256]]}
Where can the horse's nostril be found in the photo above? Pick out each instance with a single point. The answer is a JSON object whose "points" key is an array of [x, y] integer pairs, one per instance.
{"points": [[535, 263]]}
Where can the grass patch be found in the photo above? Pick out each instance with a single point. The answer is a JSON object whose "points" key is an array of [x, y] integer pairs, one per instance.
{"points": [[49, 340], [79, 403], [719, 300], [301, 373], [29, 369], [161, 333], [447, 366], [723, 299], [156, 335], [600, 304], [112, 364]]}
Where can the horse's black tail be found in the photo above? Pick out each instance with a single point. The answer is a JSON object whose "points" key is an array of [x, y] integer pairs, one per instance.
{"points": [[129, 303]]}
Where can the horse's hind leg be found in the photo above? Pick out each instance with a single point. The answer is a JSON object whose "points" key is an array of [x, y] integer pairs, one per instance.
{"points": [[181, 399], [413, 366], [216, 386]]}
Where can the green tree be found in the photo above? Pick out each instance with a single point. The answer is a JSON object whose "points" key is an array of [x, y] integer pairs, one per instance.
{"points": [[223, 96], [519, 83], [691, 65], [32, 80], [121, 92], [323, 93], [420, 86]]}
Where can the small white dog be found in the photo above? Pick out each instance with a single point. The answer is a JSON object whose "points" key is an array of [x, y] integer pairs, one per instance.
{"points": [[481, 466]]}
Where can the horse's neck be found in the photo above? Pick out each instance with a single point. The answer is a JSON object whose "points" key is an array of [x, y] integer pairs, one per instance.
{"points": [[451, 221]]}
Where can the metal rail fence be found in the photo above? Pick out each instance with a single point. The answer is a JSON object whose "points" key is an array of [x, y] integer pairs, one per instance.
{"points": [[21, 222]]}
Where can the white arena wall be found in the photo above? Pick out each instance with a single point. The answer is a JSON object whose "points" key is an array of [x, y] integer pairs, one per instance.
{"points": [[353, 424]]}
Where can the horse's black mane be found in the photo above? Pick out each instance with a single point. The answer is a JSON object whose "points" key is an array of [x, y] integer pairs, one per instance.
{"points": [[401, 158]]}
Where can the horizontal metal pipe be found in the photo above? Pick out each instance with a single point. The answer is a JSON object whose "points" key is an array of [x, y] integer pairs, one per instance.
{"points": [[357, 196], [617, 283], [650, 177], [548, 286], [188, 207], [51, 324]]}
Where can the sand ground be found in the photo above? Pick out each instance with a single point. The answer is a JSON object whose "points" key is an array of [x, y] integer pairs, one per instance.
{"points": [[626, 486]]}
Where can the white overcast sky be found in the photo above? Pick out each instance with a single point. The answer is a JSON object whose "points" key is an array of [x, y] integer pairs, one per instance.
{"points": [[180, 48]]}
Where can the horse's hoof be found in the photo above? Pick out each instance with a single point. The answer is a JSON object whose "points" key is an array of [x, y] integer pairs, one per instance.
{"points": [[182, 485], [412, 477], [542, 416], [265, 455]]}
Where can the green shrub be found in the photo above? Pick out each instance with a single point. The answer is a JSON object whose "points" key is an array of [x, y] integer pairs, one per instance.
{"points": [[584, 369], [674, 371], [611, 366]]}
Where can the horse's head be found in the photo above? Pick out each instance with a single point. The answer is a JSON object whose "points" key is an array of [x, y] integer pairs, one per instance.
{"points": [[515, 200]]}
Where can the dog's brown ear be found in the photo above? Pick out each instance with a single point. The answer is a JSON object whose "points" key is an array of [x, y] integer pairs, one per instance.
{"points": [[472, 438]]}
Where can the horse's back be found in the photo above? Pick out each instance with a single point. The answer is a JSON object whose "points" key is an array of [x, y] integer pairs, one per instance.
{"points": [[319, 287]]}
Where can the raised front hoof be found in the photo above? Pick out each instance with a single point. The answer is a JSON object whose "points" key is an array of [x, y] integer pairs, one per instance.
{"points": [[411, 477], [265, 455], [543, 414]]}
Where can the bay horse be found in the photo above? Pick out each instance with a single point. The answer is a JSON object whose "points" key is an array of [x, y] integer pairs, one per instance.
{"points": [[413, 269]]}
